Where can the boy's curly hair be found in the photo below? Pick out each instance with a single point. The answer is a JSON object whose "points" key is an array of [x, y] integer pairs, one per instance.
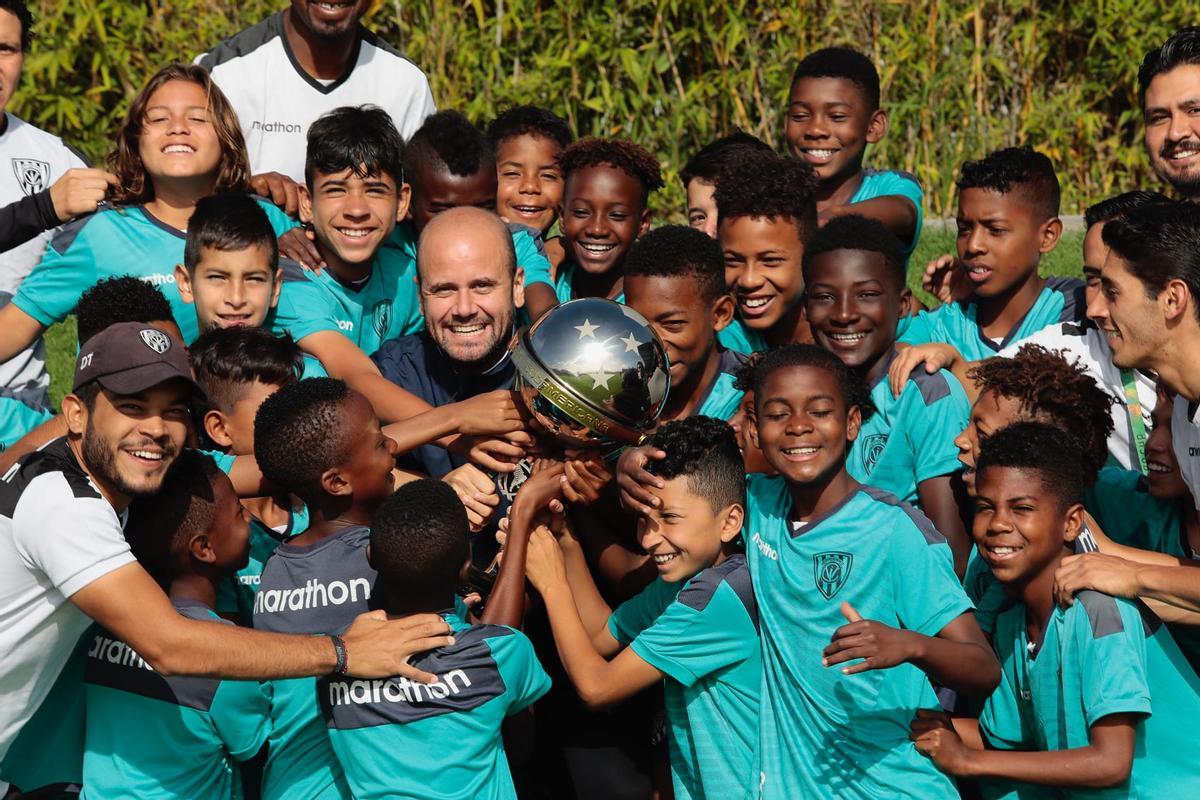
{"points": [[1046, 449], [634, 160], [754, 183], [1015, 169], [705, 451], [529, 121]]}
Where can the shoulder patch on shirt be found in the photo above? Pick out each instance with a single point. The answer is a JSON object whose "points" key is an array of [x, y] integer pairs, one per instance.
{"points": [[371, 38], [244, 42], [732, 571], [54, 457], [1102, 613], [292, 271], [1074, 303], [1074, 329], [927, 529], [1151, 622], [731, 361], [67, 234], [113, 663], [933, 387], [515, 228]]}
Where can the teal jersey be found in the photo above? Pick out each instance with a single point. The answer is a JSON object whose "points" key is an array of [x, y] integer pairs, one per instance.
{"points": [[527, 244], [704, 638], [18, 418], [47, 756], [1101, 656], [721, 399], [737, 337], [910, 438], [400, 739], [235, 594], [383, 307], [1061, 300], [153, 736], [312, 368], [114, 241], [564, 283], [888, 182], [822, 733]]}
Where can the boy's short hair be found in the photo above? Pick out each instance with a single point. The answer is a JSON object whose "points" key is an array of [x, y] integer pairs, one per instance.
{"points": [[1046, 449], [634, 160], [529, 121], [1119, 205], [854, 232], [449, 142], [362, 139], [120, 299], [1015, 169], [1182, 48], [706, 164], [845, 63], [854, 388], [298, 433], [1160, 243], [226, 361], [1046, 385], [705, 451], [677, 251], [420, 538], [21, 11], [161, 525], [228, 222], [753, 183]]}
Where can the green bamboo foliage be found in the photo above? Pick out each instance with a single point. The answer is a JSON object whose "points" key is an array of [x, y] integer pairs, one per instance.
{"points": [[959, 78]]}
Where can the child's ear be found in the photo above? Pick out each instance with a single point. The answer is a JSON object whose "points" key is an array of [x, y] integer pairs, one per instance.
{"points": [[306, 205], [1074, 523], [644, 227], [184, 282], [732, 518], [1051, 233], [278, 279], [334, 483], [405, 193], [722, 312], [200, 548], [215, 428], [877, 128], [752, 421], [853, 423]]}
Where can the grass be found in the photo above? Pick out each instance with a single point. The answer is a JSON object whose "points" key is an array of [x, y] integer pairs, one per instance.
{"points": [[1066, 259]]}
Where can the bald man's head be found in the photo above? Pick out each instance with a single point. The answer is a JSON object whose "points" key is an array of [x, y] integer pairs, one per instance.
{"points": [[470, 285]]}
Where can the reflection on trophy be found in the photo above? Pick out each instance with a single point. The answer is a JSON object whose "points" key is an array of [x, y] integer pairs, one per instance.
{"points": [[592, 373]]}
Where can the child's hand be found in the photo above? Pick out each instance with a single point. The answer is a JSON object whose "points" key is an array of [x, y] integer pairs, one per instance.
{"points": [[497, 413], [477, 491], [1098, 572], [544, 564], [299, 244], [537, 492], [946, 279], [632, 479], [495, 454], [935, 356], [279, 189], [880, 646], [584, 479], [934, 736]]}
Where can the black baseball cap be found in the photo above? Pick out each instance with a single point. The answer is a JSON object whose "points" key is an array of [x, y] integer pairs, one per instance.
{"points": [[130, 357]]}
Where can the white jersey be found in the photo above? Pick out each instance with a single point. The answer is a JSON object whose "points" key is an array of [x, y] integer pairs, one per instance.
{"points": [[276, 100], [1185, 441], [30, 161], [1087, 344], [57, 535]]}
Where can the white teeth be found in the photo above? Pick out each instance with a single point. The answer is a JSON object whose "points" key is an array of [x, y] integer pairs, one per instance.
{"points": [[1154, 466], [179, 148], [596, 248], [1180, 154], [467, 329], [755, 302], [1004, 551], [663, 559], [799, 451], [847, 337], [529, 209], [355, 233], [820, 153], [146, 454]]}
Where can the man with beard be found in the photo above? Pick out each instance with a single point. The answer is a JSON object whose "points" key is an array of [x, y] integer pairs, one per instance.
{"points": [[64, 561], [1169, 81], [294, 66]]}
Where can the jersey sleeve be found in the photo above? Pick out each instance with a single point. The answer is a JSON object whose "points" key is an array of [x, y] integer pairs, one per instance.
{"points": [[241, 711], [698, 634], [303, 308], [923, 328], [531, 256], [281, 223], [525, 680], [73, 540], [68, 267], [928, 595], [935, 411], [639, 612], [1110, 643], [893, 183]]}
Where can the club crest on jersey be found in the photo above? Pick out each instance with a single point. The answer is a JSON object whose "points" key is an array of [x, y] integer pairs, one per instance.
{"points": [[872, 449], [32, 175], [830, 570], [157, 341], [382, 317]]}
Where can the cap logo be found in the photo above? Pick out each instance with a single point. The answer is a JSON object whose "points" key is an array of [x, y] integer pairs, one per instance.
{"points": [[157, 341]]}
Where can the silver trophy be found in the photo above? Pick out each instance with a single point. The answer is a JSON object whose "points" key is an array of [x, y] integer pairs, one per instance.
{"points": [[592, 373]]}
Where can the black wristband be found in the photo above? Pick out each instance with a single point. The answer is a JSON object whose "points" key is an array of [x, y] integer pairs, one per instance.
{"points": [[339, 649]]}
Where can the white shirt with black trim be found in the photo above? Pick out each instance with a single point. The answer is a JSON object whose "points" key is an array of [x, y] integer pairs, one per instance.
{"points": [[1087, 344], [276, 100], [1185, 441], [57, 535], [30, 161]]}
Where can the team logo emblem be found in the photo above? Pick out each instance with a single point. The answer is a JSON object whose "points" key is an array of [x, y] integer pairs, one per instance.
{"points": [[508, 483], [872, 449], [157, 341], [32, 175], [383, 317], [830, 570]]}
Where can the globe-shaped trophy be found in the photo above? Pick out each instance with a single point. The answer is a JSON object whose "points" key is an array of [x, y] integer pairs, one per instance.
{"points": [[592, 373]]}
